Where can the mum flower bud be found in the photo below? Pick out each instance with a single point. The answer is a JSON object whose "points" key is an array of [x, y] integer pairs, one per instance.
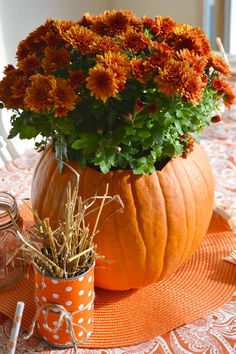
{"points": [[139, 106], [217, 118]]}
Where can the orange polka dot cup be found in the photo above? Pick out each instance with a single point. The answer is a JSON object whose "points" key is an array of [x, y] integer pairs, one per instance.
{"points": [[65, 308]]}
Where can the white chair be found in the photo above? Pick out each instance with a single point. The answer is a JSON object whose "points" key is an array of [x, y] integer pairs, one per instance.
{"points": [[10, 148], [7, 148]]}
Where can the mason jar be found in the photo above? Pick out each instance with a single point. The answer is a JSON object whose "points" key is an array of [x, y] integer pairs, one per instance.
{"points": [[11, 263]]}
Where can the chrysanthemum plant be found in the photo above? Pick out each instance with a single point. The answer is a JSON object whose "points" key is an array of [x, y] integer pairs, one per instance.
{"points": [[115, 91]]}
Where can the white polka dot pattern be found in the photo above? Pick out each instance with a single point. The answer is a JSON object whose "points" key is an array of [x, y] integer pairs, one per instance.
{"points": [[73, 294]]}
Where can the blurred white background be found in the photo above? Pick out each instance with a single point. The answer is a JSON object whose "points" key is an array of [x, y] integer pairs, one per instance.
{"points": [[19, 17]]}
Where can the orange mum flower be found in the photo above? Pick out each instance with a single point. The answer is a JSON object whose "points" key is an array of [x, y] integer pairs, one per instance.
{"points": [[219, 64], [38, 95], [116, 21], [229, 96], [219, 85], [80, 37], [102, 82], [104, 44], [158, 60], [119, 64], [178, 77], [197, 62], [29, 64], [76, 78], [87, 20], [139, 70], [64, 97], [55, 59], [12, 88], [63, 26], [193, 39], [163, 27], [134, 41], [35, 42]]}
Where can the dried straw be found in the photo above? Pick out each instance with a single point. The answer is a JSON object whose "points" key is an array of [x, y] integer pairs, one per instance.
{"points": [[68, 250]]}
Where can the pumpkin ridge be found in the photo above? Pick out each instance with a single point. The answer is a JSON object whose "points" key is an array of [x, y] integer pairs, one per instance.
{"points": [[45, 199], [120, 259], [119, 239], [193, 231], [40, 160], [167, 230], [167, 226], [173, 168], [196, 212], [45, 161], [203, 175], [135, 199], [174, 241]]}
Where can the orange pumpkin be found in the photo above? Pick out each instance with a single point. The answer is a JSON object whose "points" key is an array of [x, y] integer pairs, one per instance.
{"points": [[166, 215]]}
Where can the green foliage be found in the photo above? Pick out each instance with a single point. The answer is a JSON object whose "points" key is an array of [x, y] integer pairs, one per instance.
{"points": [[104, 136]]}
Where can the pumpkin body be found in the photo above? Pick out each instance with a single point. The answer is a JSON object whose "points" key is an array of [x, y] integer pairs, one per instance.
{"points": [[165, 217]]}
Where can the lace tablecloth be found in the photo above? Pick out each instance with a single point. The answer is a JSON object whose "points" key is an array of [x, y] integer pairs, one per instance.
{"points": [[215, 333]]}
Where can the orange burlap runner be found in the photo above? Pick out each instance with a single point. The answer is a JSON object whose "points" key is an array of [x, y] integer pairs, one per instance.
{"points": [[204, 283]]}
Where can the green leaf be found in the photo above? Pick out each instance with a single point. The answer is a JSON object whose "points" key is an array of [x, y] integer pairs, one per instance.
{"points": [[28, 132], [87, 142]]}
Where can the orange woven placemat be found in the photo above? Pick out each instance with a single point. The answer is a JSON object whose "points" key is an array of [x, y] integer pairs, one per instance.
{"points": [[202, 284]]}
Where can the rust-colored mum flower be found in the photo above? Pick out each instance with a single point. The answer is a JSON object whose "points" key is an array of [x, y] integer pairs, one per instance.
{"points": [[87, 20], [55, 59], [139, 69], [229, 96], [193, 39], [39, 95], [163, 27], [119, 64], [8, 68], [219, 85], [219, 64], [64, 97], [116, 21], [81, 38], [148, 22], [29, 64], [197, 62], [104, 44], [12, 88], [36, 40], [102, 82], [134, 41], [162, 52], [63, 26], [18, 88], [76, 78], [178, 77]]}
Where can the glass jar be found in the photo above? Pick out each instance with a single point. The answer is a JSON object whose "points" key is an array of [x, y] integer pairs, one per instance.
{"points": [[11, 263]]}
